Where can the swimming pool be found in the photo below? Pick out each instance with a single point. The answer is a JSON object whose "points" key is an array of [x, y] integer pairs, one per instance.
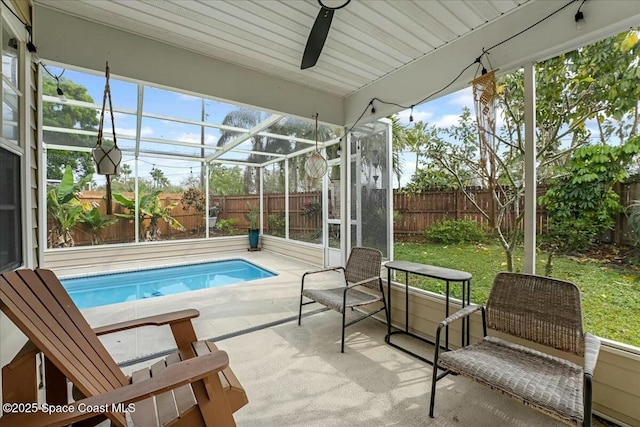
{"points": [[104, 289]]}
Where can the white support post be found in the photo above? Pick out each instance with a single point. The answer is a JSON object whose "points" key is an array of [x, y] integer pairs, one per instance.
{"points": [[389, 185], [261, 195], [286, 199], [207, 203], [358, 201], [325, 215], [345, 198], [136, 185], [530, 180]]}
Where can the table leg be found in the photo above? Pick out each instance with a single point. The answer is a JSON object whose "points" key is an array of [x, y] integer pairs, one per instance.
{"points": [[406, 301], [464, 322], [446, 314], [468, 303], [389, 307]]}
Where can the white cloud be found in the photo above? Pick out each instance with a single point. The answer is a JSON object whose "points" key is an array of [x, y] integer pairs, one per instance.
{"points": [[186, 97], [447, 120], [196, 138], [144, 131], [418, 115], [463, 98]]}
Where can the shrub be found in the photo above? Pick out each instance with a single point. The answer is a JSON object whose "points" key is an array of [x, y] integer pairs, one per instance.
{"points": [[455, 231]]}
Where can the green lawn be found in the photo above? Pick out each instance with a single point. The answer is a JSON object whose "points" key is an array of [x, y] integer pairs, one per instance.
{"points": [[610, 295]]}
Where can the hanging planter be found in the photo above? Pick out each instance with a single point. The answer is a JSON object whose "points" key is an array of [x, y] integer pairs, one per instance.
{"points": [[107, 159], [316, 164]]}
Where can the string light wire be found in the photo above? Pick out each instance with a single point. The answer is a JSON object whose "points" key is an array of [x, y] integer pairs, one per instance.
{"points": [[485, 52]]}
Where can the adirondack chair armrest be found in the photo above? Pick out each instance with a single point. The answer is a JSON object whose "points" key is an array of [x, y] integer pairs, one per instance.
{"points": [[174, 376], [157, 320]]}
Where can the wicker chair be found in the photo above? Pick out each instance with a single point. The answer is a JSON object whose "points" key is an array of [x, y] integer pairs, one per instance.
{"points": [[538, 309], [363, 269]]}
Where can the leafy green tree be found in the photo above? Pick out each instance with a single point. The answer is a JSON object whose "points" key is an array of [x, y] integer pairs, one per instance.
{"points": [[225, 181], [65, 209], [598, 83], [581, 201], [149, 207], [430, 177], [66, 116]]}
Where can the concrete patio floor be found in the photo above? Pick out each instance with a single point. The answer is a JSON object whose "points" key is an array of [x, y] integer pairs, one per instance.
{"points": [[295, 375]]}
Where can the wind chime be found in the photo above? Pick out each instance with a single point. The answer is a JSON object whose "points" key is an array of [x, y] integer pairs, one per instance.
{"points": [[316, 165], [484, 96], [107, 159]]}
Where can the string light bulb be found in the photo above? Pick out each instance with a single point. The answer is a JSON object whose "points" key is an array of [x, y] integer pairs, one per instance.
{"points": [[61, 93], [411, 115], [579, 18]]}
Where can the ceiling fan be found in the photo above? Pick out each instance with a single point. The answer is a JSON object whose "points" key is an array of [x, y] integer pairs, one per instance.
{"points": [[318, 34]]}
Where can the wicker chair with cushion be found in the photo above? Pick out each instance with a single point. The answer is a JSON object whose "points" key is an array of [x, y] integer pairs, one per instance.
{"points": [[362, 270], [537, 309]]}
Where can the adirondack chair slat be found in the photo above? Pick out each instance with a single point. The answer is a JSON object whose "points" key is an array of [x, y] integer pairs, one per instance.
{"points": [[19, 294], [47, 332], [184, 395], [79, 325], [166, 401], [145, 413]]}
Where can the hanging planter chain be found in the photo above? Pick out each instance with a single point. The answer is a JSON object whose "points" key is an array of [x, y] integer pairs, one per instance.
{"points": [[107, 161]]}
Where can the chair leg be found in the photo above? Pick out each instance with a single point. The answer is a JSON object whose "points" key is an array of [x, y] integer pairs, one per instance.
{"points": [[300, 312], [434, 378], [344, 314], [433, 390]]}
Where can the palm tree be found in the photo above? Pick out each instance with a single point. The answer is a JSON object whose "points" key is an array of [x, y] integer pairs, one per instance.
{"points": [[398, 143], [246, 119]]}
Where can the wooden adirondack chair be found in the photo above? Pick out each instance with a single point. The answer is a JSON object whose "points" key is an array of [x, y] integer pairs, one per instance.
{"points": [[192, 387]]}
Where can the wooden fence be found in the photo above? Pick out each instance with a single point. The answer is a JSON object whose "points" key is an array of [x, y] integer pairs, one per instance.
{"points": [[231, 208], [416, 214]]}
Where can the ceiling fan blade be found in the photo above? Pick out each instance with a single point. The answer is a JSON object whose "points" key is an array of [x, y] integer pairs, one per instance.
{"points": [[317, 37]]}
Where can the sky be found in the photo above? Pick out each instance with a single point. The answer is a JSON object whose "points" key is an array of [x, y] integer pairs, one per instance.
{"points": [[441, 112]]}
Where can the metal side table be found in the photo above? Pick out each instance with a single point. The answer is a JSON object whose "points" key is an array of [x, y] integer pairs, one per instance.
{"points": [[446, 274]]}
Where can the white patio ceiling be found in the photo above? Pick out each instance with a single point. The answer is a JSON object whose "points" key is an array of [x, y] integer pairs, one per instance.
{"points": [[249, 51]]}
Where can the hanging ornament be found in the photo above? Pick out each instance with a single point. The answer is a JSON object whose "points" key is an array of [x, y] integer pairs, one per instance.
{"points": [[484, 95], [107, 159], [316, 165]]}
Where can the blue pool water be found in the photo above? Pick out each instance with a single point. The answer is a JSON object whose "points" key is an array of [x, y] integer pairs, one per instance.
{"points": [[94, 291]]}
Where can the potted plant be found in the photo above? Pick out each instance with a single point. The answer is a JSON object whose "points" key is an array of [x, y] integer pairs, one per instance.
{"points": [[253, 217]]}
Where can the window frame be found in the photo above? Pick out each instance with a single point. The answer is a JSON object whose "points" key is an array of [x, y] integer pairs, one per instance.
{"points": [[19, 148]]}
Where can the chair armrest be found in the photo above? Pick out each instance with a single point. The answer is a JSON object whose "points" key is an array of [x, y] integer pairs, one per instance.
{"points": [[157, 320], [591, 351], [324, 270], [174, 376], [465, 312], [362, 282]]}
